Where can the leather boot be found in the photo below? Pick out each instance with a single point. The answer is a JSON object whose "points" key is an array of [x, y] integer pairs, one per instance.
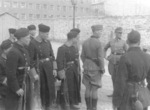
{"points": [[94, 104], [88, 105]]}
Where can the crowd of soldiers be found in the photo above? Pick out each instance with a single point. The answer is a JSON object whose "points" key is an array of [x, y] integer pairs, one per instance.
{"points": [[29, 70]]}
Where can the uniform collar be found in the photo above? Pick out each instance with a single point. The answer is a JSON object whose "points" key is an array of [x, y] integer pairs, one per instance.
{"points": [[93, 36], [134, 49], [38, 39]]}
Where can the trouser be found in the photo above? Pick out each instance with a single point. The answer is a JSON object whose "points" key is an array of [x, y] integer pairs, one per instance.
{"points": [[112, 68]]}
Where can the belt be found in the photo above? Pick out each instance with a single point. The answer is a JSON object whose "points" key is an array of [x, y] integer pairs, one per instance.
{"points": [[23, 67], [70, 62], [44, 60], [115, 53]]}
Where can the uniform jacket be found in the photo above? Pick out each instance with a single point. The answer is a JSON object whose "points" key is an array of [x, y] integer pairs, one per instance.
{"points": [[92, 48], [2, 75], [17, 59], [134, 66], [116, 46]]}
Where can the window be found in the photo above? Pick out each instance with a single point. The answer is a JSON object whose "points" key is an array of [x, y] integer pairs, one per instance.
{"points": [[45, 16], [30, 16], [64, 8], [81, 9], [51, 7], [58, 8], [37, 6], [22, 5], [44, 6], [6, 4], [23, 16], [51, 16], [38, 16], [15, 5], [30, 5]]}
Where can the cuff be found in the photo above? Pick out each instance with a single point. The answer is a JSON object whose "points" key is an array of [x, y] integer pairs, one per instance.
{"points": [[54, 65]]}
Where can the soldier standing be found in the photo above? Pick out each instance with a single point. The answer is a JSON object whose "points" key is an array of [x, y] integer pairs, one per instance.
{"points": [[32, 31], [118, 47], [11, 38], [93, 65], [17, 64], [6, 46], [130, 92], [67, 61], [41, 54]]}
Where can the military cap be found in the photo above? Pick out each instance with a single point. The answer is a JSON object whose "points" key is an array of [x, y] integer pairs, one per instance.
{"points": [[97, 27], [31, 27], [72, 34], [134, 37], [76, 30], [22, 32], [118, 29], [43, 28], [12, 30], [6, 44]]}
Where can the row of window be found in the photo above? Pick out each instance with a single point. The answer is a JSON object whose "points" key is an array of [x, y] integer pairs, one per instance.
{"points": [[8, 4], [24, 16], [45, 6]]}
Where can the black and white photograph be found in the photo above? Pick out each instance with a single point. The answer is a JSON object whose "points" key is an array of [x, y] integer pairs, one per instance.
{"points": [[74, 54]]}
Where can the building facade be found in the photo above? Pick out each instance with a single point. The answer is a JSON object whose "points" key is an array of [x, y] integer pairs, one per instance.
{"points": [[98, 6], [45, 9]]}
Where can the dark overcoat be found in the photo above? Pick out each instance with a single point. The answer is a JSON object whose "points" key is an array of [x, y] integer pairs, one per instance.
{"points": [[39, 51], [17, 60], [134, 68], [66, 55]]}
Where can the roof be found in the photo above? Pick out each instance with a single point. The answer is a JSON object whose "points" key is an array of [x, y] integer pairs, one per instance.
{"points": [[2, 14]]}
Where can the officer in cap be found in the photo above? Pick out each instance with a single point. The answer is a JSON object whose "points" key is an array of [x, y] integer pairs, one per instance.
{"points": [[32, 31], [93, 65], [6, 46], [41, 50], [130, 92], [17, 64], [118, 47], [68, 52]]}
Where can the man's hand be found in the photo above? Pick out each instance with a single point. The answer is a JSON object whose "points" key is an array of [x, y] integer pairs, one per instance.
{"points": [[20, 92], [54, 73], [5, 81], [36, 77], [114, 108]]}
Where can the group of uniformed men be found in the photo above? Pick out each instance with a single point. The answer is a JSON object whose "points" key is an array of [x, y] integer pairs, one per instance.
{"points": [[29, 70]]}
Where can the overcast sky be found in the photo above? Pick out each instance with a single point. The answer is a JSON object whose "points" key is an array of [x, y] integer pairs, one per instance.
{"points": [[128, 7]]}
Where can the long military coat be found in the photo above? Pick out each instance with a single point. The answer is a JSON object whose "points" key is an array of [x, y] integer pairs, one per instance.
{"points": [[134, 67], [17, 60], [38, 51]]}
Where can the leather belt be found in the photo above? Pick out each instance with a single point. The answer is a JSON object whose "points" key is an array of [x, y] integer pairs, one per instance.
{"points": [[44, 60], [115, 53]]}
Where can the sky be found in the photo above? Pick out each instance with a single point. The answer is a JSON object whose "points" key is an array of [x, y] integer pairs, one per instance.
{"points": [[127, 7]]}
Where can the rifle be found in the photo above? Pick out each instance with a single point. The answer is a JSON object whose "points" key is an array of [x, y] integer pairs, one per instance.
{"points": [[22, 100]]}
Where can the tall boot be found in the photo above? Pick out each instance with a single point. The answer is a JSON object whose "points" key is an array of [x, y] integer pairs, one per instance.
{"points": [[94, 104], [88, 105]]}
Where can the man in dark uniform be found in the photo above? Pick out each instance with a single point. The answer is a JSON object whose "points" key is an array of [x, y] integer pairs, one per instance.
{"points": [[67, 61], [16, 69], [41, 54], [118, 47], [77, 46], [32, 31], [6, 46], [134, 67], [11, 38], [93, 65]]}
